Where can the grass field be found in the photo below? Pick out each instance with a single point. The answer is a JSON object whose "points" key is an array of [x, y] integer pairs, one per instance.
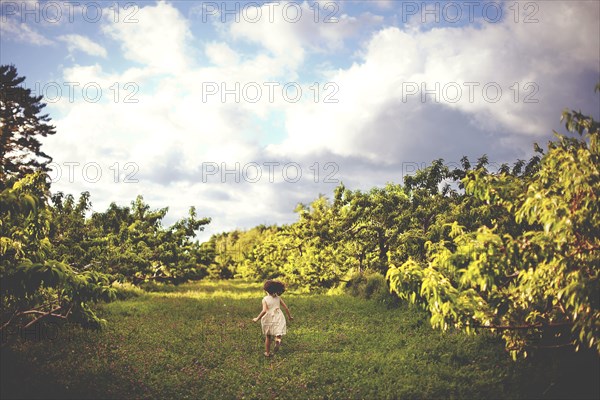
{"points": [[197, 340]]}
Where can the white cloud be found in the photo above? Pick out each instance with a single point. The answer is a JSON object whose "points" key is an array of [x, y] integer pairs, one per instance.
{"points": [[272, 33], [221, 54], [289, 30], [21, 32], [158, 40], [373, 119], [81, 43], [385, 4]]}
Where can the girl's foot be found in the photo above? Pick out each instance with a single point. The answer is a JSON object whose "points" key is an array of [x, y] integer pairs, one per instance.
{"points": [[277, 344], [267, 354]]}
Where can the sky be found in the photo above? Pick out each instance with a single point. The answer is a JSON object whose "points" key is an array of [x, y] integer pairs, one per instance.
{"points": [[245, 109]]}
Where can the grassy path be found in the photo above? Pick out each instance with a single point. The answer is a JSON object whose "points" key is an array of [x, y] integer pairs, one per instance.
{"points": [[198, 341]]}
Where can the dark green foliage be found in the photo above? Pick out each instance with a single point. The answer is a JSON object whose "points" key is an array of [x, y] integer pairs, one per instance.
{"points": [[21, 125], [373, 286], [35, 287]]}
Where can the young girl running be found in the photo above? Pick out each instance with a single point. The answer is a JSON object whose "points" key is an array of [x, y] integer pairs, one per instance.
{"points": [[271, 318]]}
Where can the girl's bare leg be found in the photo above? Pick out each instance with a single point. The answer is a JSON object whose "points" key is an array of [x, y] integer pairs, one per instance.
{"points": [[277, 342], [267, 345]]}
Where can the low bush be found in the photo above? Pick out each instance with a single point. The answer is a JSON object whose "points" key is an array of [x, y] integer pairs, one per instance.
{"points": [[126, 290], [373, 286]]}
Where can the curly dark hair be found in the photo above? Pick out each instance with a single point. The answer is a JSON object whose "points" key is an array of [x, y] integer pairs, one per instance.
{"points": [[274, 287]]}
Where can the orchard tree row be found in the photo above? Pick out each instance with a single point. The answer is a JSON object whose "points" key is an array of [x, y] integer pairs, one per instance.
{"points": [[359, 231]]}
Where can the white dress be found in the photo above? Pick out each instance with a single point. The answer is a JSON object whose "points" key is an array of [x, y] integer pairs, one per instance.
{"points": [[273, 322]]}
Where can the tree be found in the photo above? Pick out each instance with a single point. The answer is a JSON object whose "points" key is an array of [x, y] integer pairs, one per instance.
{"points": [[68, 232], [268, 254], [130, 242], [34, 287], [370, 222], [21, 126], [533, 274]]}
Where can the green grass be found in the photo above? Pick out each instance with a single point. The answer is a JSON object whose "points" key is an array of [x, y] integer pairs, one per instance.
{"points": [[198, 341]]}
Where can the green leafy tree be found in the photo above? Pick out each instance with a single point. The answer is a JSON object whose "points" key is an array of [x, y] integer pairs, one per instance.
{"points": [[68, 231], [268, 255], [34, 287], [369, 222], [21, 126], [132, 243], [533, 274]]}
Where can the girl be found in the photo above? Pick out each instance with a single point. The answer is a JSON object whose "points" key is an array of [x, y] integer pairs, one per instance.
{"points": [[271, 318]]}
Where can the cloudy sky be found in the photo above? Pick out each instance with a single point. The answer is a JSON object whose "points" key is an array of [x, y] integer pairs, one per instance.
{"points": [[244, 109]]}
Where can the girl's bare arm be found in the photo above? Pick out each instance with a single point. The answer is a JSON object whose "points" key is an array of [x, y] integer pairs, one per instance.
{"points": [[263, 312], [285, 307]]}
